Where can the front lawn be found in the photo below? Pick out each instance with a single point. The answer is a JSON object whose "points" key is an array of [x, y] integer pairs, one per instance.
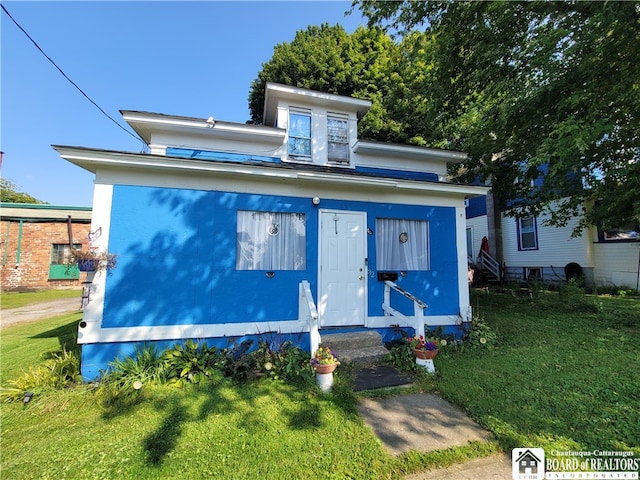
{"points": [[20, 299], [563, 374]]}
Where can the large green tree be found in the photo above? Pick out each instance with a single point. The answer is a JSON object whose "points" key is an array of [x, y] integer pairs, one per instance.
{"points": [[328, 59], [10, 192], [532, 88]]}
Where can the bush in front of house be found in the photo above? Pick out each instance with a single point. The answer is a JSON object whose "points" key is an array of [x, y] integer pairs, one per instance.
{"points": [[62, 370]]}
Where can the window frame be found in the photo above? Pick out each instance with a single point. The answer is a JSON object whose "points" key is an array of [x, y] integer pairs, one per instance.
{"points": [[334, 160], [521, 231], [623, 234], [62, 270], [290, 137], [400, 236], [293, 251]]}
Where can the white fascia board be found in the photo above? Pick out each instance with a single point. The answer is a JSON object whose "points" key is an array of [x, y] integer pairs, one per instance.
{"points": [[408, 151], [147, 124], [92, 160], [274, 93]]}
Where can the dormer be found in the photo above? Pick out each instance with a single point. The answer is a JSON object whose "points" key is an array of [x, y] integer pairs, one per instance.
{"points": [[322, 128]]}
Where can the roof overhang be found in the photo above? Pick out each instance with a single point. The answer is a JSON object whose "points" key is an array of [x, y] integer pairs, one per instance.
{"points": [[275, 92], [44, 212], [408, 151], [145, 124], [93, 160]]}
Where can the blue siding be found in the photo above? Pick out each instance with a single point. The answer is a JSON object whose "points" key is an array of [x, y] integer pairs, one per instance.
{"points": [[177, 253], [404, 174], [477, 207], [218, 156]]}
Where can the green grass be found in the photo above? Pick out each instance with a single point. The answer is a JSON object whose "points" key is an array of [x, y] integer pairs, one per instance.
{"points": [[564, 374], [27, 344], [19, 299]]}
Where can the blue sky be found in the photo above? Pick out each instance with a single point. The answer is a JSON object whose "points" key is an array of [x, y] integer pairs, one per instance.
{"points": [[179, 58]]}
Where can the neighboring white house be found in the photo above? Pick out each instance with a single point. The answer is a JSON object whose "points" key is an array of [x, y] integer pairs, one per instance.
{"points": [[225, 231], [528, 249]]}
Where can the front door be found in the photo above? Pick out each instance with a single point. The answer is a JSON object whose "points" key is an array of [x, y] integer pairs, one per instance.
{"points": [[343, 270]]}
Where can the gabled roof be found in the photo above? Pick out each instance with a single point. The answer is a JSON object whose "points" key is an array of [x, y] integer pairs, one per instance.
{"points": [[527, 454]]}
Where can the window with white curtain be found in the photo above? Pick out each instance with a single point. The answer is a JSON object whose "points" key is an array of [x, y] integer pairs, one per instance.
{"points": [[271, 241], [402, 244]]}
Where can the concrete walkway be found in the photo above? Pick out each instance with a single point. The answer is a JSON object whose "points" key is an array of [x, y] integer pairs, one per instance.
{"points": [[425, 422]]}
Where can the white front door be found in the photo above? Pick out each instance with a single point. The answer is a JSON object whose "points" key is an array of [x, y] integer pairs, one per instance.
{"points": [[343, 270]]}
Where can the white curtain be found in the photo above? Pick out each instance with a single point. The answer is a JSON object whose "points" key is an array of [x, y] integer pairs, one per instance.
{"points": [[271, 241], [402, 244]]}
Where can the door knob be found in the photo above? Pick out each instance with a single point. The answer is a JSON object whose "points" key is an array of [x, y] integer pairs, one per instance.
{"points": [[360, 277]]}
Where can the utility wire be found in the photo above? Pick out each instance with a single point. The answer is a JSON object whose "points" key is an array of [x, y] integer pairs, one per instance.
{"points": [[65, 75]]}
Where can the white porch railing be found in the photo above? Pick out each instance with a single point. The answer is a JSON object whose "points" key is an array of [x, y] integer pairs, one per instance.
{"points": [[490, 263], [308, 311], [418, 307]]}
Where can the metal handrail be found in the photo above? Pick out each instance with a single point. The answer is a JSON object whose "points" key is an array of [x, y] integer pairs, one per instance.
{"points": [[418, 306]]}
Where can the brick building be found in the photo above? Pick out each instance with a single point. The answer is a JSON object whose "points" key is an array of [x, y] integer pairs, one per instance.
{"points": [[35, 245]]}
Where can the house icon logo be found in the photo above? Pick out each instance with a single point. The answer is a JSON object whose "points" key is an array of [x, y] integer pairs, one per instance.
{"points": [[527, 463]]}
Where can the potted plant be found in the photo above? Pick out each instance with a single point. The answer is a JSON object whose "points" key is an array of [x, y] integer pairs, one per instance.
{"points": [[324, 360], [92, 260], [423, 349]]}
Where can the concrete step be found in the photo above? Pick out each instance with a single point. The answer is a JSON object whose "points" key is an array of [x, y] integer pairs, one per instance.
{"points": [[362, 356], [364, 347], [360, 339]]}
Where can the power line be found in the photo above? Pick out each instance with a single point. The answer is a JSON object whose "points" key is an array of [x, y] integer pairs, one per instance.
{"points": [[65, 75]]}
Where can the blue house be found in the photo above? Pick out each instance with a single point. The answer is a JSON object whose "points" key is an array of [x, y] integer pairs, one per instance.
{"points": [[225, 231]]}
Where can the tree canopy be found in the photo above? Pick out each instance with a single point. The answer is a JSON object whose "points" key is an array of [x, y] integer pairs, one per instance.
{"points": [[10, 192], [327, 59], [533, 88]]}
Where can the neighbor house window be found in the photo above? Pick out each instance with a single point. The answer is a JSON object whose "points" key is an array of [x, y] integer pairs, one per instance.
{"points": [[300, 135], [59, 268], [402, 244], [527, 233], [624, 233], [338, 140], [271, 241]]}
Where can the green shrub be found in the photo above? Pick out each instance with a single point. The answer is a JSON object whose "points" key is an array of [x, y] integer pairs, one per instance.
{"points": [[121, 385], [280, 359], [191, 361], [146, 365], [61, 370], [401, 356], [479, 334]]}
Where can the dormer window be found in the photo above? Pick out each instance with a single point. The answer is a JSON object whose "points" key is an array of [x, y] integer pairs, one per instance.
{"points": [[300, 135], [338, 140]]}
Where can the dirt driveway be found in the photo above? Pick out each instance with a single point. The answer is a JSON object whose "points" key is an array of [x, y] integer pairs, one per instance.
{"points": [[38, 311]]}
